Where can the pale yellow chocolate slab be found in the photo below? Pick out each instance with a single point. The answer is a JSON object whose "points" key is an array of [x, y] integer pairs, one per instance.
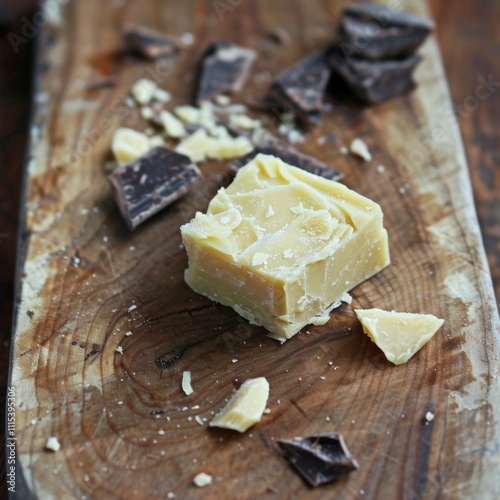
{"points": [[399, 335], [246, 406], [282, 246]]}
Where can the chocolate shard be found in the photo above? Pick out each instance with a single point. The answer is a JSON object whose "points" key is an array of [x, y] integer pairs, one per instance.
{"points": [[319, 459], [377, 32], [150, 43], [145, 186], [292, 157], [301, 87], [375, 81], [225, 69]]}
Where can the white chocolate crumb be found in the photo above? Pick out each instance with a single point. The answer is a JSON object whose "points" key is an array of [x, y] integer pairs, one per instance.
{"points": [[343, 150], [161, 95], [161, 432], [156, 141], [360, 148], [119, 349], [294, 137], [244, 122], [198, 419], [186, 383], [259, 258], [429, 416], [128, 334], [128, 144], [143, 90], [187, 38], [52, 444], [270, 211], [202, 479], [172, 125], [381, 169], [147, 112], [133, 307], [222, 100]]}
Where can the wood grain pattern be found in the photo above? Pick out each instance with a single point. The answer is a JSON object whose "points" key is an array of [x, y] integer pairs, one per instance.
{"points": [[470, 51], [107, 409]]}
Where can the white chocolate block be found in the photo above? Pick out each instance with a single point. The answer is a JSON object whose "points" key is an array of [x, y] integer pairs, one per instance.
{"points": [[282, 246]]}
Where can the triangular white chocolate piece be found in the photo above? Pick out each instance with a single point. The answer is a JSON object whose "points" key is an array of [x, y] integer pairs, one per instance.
{"points": [[399, 335]]}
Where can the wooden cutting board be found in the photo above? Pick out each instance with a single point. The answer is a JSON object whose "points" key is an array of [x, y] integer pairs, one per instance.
{"points": [[126, 428]]}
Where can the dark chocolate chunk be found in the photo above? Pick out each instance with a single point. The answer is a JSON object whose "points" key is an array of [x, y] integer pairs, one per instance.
{"points": [[145, 186], [150, 43], [225, 68], [377, 32], [375, 81], [301, 87], [292, 157], [319, 459]]}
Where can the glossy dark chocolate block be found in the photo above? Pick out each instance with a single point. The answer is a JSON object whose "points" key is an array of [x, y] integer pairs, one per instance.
{"points": [[150, 43], [225, 68], [375, 81], [150, 183], [292, 157], [319, 459], [300, 89], [376, 32]]}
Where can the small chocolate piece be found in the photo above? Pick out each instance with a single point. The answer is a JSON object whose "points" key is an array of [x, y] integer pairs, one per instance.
{"points": [[319, 459], [377, 32], [150, 43], [225, 68], [375, 81], [292, 157], [301, 87], [144, 186]]}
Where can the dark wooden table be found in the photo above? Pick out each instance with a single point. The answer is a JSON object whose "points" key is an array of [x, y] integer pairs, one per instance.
{"points": [[470, 47]]}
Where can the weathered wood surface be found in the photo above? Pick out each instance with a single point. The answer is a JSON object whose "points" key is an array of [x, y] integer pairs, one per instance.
{"points": [[104, 406]]}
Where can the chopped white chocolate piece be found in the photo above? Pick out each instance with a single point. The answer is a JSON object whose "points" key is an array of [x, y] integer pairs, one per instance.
{"points": [[270, 212], [360, 148], [244, 122], [143, 90], [220, 132], [200, 145], [399, 335], [161, 95], [195, 145], [204, 115], [186, 383], [202, 479], [147, 112], [323, 241], [429, 416], [225, 148], [172, 125], [155, 141], [128, 144], [188, 114], [52, 444], [246, 406], [222, 100]]}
